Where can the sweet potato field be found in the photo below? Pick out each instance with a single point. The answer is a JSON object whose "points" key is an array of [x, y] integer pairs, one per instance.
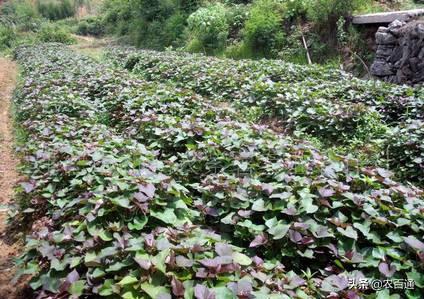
{"points": [[171, 175]]}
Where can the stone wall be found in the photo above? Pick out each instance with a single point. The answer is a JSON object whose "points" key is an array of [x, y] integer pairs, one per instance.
{"points": [[400, 53]]}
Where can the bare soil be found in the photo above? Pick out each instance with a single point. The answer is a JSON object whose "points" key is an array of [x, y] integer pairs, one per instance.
{"points": [[9, 246]]}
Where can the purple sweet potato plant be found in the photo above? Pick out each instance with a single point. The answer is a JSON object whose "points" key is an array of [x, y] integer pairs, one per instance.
{"points": [[165, 184]]}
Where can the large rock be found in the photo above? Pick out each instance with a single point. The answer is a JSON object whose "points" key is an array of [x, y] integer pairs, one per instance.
{"points": [[400, 53], [396, 54], [395, 28], [384, 51], [382, 68], [385, 38], [420, 31]]}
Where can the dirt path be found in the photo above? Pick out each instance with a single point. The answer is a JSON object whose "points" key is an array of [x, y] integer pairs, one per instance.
{"points": [[8, 178], [91, 46]]}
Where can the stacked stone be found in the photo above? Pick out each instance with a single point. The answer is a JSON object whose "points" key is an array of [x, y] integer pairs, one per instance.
{"points": [[400, 53]]}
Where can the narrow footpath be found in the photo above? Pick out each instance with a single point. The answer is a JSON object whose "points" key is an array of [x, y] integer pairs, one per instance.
{"points": [[9, 248]]}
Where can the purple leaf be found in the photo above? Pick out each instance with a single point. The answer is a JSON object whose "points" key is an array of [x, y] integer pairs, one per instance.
{"points": [[244, 213], [70, 279], [257, 260], [202, 292], [326, 192], [223, 249], [414, 243], [149, 240], [148, 189], [295, 236], [143, 263], [211, 212], [141, 197], [242, 289], [267, 188], [177, 287], [182, 261], [217, 261], [336, 281], [201, 273], [386, 269], [384, 173], [300, 226], [352, 295], [28, 187], [296, 281], [259, 241]]}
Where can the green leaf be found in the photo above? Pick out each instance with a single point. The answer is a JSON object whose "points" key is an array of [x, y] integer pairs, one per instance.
{"points": [[279, 230], [188, 289], [417, 277], [129, 295], [121, 201], [106, 289], [138, 223], [91, 259], [97, 273], [105, 235], [159, 260], [348, 232], [77, 288], [307, 201], [128, 280], [223, 293], [152, 290], [116, 267], [385, 294], [259, 206], [241, 259], [168, 216]]}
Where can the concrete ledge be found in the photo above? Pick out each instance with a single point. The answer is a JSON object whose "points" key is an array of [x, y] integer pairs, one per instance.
{"points": [[387, 17]]}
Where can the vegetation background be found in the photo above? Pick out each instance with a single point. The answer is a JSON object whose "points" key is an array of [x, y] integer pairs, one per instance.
{"points": [[230, 28]]}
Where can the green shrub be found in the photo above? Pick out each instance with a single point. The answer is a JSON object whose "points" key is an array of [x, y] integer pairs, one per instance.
{"points": [[147, 34], [173, 29], [150, 24], [209, 27], [295, 9], [54, 33], [114, 14], [263, 29], [195, 45], [91, 26], [56, 10], [7, 37], [21, 14], [237, 16], [329, 11], [238, 50]]}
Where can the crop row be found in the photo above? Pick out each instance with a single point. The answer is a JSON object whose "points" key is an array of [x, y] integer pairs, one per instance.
{"points": [[255, 82], [327, 104], [145, 190]]}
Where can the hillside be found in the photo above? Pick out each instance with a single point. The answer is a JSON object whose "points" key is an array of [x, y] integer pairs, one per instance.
{"points": [[248, 29]]}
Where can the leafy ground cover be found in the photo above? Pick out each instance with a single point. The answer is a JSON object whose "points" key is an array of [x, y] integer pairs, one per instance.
{"points": [[322, 102], [146, 189]]}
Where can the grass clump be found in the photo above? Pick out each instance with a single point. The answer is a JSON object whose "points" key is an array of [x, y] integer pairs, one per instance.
{"points": [[50, 32]]}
